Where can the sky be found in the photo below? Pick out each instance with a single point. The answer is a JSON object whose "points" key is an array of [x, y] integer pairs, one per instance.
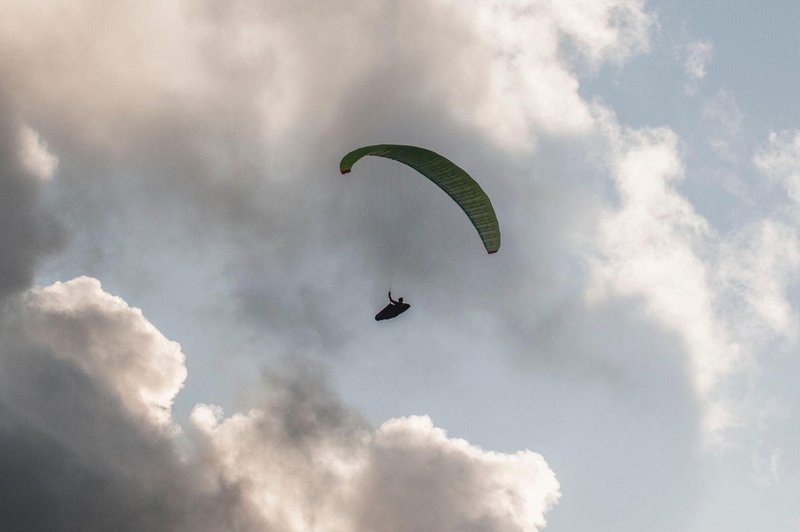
{"points": [[187, 284]]}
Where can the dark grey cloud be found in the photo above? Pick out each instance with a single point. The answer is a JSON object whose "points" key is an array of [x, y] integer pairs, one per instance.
{"points": [[28, 231], [74, 455]]}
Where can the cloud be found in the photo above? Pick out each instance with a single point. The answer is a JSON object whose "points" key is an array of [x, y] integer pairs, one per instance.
{"points": [[726, 294], [758, 264], [88, 442], [27, 231], [696, 57], [418, 471], [779, 159], [35, 158], [407, 474], [723, 118], [259, 65], [86, 385], [530, 88], [111, 342], [652, 245]]}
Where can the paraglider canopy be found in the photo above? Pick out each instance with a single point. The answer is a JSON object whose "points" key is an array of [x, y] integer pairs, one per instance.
{"points": [[457, 183]]}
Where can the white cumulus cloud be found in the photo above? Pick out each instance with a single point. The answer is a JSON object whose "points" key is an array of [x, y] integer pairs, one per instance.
{"points": [[112, 342], [406, 475]]}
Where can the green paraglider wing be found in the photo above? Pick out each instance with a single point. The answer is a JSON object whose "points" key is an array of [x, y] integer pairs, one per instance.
{"points": [[456, 182]]}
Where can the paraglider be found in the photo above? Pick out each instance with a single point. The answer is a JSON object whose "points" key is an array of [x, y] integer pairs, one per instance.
{"points": [[393, 309], [453, 180]]}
